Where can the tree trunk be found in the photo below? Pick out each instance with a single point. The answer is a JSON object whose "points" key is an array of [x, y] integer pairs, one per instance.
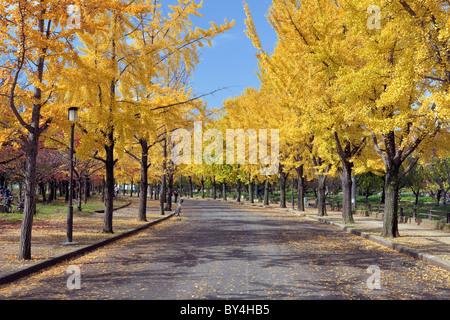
{"points": [[321, 204], [214, 188], [30, 197], [169, 192], [437, 199], [346, 179], [131, 187], [162, 194], [224, 190], [250, 191], [292, 192], [142, 214], [86, 189], [163, 177], [282, 188], [203, 187], [43, 192], [345, 152], [109, 186], [416, 202], [367, 193], [20, 191], [383, 196], [50, 191], [150, 189], [31, 153], [391, 187], [79, 194], [238, 190], [300, 193], [157, 186], [354, 185], [55, 190], [266, 192], [90, 188]]}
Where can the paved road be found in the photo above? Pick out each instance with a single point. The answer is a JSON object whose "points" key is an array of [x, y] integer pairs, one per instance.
{"points": [[218, 250]]}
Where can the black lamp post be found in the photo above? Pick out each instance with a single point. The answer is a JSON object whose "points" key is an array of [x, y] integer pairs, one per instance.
{"points": [[73, 114]]}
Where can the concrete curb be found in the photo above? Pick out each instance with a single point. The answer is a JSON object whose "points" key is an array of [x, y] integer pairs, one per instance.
{"points": [[432, 260], [26, 271]]}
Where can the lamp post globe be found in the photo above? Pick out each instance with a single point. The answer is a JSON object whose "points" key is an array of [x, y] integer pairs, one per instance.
{"points": [[73, 114]]}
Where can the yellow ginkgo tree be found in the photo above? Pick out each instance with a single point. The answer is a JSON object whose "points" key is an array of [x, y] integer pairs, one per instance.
{"points": [[118, 71], [36, 43], [402, 85], [286, 76], [352, 81]]}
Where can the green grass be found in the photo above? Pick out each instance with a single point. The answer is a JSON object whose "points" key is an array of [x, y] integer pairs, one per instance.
{"points": [[54, 207], [11, 217], [58, 208]]}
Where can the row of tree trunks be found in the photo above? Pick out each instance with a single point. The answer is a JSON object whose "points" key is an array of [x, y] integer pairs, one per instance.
{"points": [[49, 190]]}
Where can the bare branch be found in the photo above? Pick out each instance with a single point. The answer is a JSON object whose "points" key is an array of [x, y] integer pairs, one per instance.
{"points": [[12, 159], [408, 169], [377, 148]]}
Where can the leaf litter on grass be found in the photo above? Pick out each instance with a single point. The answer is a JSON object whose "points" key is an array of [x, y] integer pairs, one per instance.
{"points": [[49, 231]]}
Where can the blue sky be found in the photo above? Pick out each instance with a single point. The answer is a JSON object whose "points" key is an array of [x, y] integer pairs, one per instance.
{"points": [[231, 61]]}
